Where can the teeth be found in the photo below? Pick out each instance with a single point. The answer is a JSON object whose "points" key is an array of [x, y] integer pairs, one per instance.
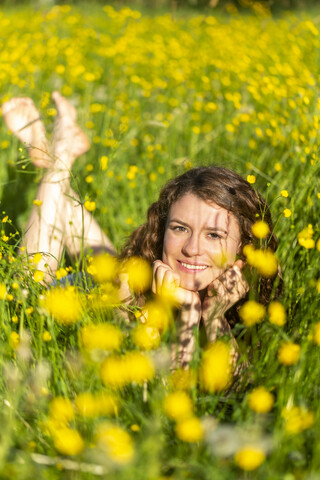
{"points": [[193, 267]]}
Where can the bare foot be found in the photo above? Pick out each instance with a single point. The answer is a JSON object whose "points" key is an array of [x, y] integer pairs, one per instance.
{"points": [[23, 119], [69, 141]]}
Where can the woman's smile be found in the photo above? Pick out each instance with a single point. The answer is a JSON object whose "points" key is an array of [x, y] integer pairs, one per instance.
{"points": [[201, 240]]}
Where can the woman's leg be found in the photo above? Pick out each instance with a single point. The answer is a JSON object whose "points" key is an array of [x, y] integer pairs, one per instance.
{"points": [[58, 220]]}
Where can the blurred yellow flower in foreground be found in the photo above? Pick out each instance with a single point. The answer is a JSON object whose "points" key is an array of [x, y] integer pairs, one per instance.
{"points": [[103, 268], [289, 353], [61, 410], [155, 313], [305, 237], [146, 337], [63, 304], [264, 261], [68, 441], [277, 313], [249, 457], [189, 430], [139, 273], [215, 368], [260, 229], [182, 379], [133, 367], [297, 419], [260, 400], [178, 405], [116, 442], [91, 405], [38, 276], [104, 336], [14, 340], [317, 333], [252, 312]]}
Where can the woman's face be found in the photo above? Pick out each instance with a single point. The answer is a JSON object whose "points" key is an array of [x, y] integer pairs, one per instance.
{"points": [[201, 240]]}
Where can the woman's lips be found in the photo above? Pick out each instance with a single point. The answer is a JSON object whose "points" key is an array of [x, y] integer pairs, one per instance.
{"points": [[191, 267]]}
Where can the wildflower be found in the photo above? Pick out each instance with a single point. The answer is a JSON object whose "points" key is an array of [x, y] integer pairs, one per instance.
{"points": [[260, 229], [68, 441], [146, 337], [297, 419], [38, 276], [103, 337], [277, 313], [46, 336], [178, 405], [305, 237], [182, 379], [139, 274], [249, 457], [252, 312], [37, 258], [287, 212], [318, 245], [251, 179], [289, 353], [103, 268], [3, 291], [116, 442], [60, 273], [107, 403], [61, 410], [140, 368], [260, 400], [189, 430], [264, 261], [89, 206], [63, 304], [113, 372], [284, 193], [86, 405], [14, 340], [215, 369], [14, 319]]}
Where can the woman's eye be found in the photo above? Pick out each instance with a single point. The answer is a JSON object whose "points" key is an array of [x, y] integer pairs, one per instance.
{"points": [[179, 228], [214, 235]]}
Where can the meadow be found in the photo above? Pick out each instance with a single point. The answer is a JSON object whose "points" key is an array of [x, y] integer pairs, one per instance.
{"points": [[85, 394]]}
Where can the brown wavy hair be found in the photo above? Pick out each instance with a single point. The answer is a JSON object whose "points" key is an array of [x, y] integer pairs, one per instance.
{"points": [[212, 184]]}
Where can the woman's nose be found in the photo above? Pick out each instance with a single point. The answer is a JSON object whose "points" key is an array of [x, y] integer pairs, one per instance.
{"points": [[192, 246]]}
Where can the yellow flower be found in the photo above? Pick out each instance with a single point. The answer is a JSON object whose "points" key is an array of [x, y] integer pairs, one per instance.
{"points": [[297, 419], [146, 337], [305, 237], [102, 337], [14, 340], [178, 405], [89, 206], [63, 304], [61, 410], [38, 276], [215, 368], [287, 212], [264, 261], [260, 229], [289, 353], [86, 405], [139, 274], [116, 442], [155, 313], [46, 336], [37, 258], [68, 441], [252, 312], [113, 372], [3, 291], [251, 179], [182, 379], [249, 457], [318, 245], [277, 313], [62, 272], [284, 193], [189, 430], [103, 268], [140, 367], [260, 400]]}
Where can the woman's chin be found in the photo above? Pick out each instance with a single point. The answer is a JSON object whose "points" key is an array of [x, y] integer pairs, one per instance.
{"points": [[193, 285]]}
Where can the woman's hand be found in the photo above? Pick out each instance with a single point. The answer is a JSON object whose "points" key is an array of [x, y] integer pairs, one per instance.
{"points": [[221, 295], [167, 282]]}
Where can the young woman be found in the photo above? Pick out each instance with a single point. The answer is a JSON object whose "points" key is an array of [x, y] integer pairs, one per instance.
{"points": [[194, 234]]}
